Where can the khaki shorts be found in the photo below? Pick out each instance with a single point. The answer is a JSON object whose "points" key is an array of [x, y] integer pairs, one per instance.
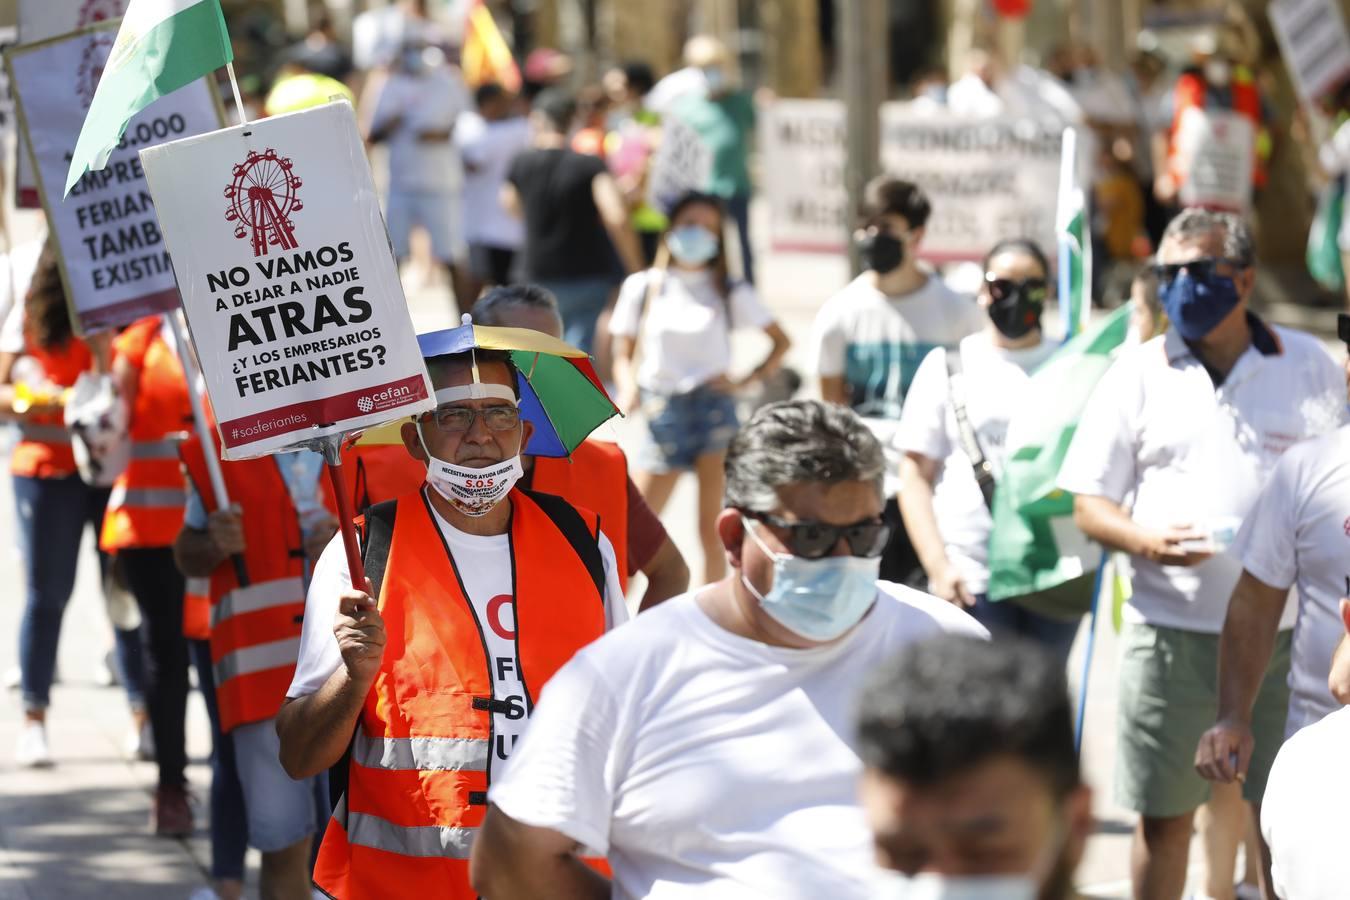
{"points": [[1168, 699]]}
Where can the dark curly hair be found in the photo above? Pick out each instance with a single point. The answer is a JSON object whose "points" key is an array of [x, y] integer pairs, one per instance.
{"points": [[47, 318]]}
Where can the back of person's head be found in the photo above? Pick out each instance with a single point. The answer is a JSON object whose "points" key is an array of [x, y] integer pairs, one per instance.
{"points": [[961, 737], [557, 107], [488, 93], [639, 76], [887, 195], [46, 315], [519, 306]]}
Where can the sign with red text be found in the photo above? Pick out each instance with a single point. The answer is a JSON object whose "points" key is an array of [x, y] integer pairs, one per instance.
{"points": [[113, 260], [290, 287]]}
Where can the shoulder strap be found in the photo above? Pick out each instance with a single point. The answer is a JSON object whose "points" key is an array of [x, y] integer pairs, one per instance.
{"points": [[573, 527], [970, 441], [376, 539]]}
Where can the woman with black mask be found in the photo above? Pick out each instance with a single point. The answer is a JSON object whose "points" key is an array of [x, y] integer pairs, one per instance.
{"points": [[952, 433]]}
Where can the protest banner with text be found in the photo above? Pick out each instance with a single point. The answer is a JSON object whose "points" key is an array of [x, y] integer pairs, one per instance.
{"points": [[802, 167], [1312, 36], [1215, 151], [113, 260], [290, 287], [682, 163]]}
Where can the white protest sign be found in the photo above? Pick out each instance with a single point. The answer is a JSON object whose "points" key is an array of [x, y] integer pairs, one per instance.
{"points": [[113, 260], [1215, 151], [682, 163], [1316, 47], [987, 179], [290, 287], [801, 146], [38, 21]]}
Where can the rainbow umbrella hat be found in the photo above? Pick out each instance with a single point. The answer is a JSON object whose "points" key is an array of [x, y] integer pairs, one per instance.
{"points": [[560, 394]]}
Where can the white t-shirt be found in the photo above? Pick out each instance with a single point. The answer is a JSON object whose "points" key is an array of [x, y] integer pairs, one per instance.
{"points": [[487, 149], [877, 342], [993, 382], [708, 765], [1191, 453], [686, 335], [429, 102], [1303, 812], [1299, 533], [484, 565], [16, 274]]}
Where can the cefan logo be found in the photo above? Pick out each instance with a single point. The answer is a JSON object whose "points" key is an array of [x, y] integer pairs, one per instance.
{"points": [[365, 404], [261, 198]]}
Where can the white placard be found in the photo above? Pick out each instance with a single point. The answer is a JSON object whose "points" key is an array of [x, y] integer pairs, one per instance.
{"points": [[1316, 47], [288, 279], [38, 21], [987, 179], [113, 260], [1215, 151], [802, 159], [682, 163]]}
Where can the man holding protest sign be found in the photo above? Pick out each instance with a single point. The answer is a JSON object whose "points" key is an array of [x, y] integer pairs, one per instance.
{"points": [[478, 593]]}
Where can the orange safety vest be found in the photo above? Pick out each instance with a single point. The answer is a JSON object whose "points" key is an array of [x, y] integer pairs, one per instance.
{"points": [[421, 759], [596, 478], [145, 508], [1191, 90], [254, 630], [44, 449]]}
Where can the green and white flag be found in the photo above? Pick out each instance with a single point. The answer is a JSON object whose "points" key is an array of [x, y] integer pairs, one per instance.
{"points": [[161, 46], [1034, 545], [1075, 242]]}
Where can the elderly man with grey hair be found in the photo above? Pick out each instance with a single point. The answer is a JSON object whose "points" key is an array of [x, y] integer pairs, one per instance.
{"points": [[1190, 425], [705, 750]]}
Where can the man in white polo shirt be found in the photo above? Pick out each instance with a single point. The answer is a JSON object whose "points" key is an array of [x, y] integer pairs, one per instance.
{"points": [[1297, 533], [1191, 424]]}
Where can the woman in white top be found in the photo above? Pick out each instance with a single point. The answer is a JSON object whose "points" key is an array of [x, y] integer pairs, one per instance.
{"points": [[941, 498], [671, 329]]}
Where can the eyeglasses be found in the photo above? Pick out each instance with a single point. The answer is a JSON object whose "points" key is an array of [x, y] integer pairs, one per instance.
{"points": [[459, 419], [816, 540], [1201, 268], [1001, 288]]}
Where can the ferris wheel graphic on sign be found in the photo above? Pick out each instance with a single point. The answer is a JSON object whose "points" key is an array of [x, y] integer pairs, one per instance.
{"points": [[261, 198]]}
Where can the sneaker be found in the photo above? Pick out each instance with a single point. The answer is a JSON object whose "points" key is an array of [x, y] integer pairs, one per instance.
{"points": [[32, 752], [13, 678], [140, 743], [171, 815]]}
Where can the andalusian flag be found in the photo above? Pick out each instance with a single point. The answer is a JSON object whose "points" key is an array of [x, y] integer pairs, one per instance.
{"points": [[1035, 545], [1075, 242], [486, 57], [161, 46]]}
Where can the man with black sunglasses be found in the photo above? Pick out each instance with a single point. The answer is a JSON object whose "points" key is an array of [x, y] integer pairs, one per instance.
{"points": [[1191, 424], [705, 748]]}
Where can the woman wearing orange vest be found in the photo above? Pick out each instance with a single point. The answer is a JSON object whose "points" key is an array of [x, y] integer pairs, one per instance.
{"points": [[52, 501], [280, 517], [483, 594], [145, 513]]}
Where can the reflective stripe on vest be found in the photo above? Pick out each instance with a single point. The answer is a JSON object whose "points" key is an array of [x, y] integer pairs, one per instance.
{"points": [[163, 449], [448, 754], [123, 496], [44, 434], [281, 592], [365, 830], [257, 658]]}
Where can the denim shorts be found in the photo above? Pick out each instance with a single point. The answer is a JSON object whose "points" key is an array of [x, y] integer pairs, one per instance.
{"points": [[280, 811], [683, 427]]}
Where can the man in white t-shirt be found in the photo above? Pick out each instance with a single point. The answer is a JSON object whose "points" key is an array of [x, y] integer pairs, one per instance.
{"points": [[1298, 533], [414, 111], [871, 336], [1192, 424], [1303, 813], [483, 592], [488, 140], [985, 381], [706, 747]]}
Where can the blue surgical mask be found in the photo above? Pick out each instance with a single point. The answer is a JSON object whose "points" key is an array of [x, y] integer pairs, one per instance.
{"points": [[692, 245], [1196, 305], [952, 887], [818, 599]]}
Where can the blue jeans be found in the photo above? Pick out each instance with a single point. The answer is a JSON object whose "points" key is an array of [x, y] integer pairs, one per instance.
{"points": [[1006, 618], [229, 825], [52, 514], [739, 207], [580, 302]]}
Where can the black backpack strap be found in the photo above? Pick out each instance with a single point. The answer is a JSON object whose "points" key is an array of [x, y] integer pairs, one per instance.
{"points": [[573, 527], [970, 442], [376, 538]]}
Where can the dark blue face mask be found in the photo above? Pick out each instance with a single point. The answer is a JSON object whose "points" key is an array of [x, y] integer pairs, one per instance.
{"points": [[1196, 303]]}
